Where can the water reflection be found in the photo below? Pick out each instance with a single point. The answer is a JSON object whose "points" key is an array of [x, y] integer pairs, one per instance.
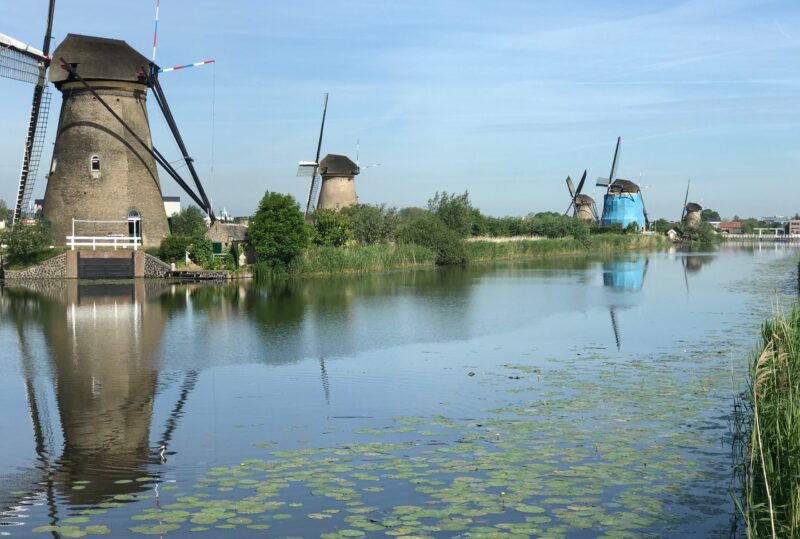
{"points": [[101, 341], [624, 278]]}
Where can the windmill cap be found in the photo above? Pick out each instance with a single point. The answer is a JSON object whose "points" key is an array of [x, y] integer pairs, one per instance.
{"points": [[337, 165], [583, 199], [693, 206], [623, 186], [97, 58]]}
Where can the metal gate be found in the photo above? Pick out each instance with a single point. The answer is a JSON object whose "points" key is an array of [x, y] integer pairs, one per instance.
{"points": [[105, 268]]}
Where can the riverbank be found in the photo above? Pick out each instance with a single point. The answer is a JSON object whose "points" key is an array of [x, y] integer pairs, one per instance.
{"points": [[771, 438], [326, 261]]}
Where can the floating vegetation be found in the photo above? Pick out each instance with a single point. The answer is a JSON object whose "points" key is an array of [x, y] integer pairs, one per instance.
{"points": [[612, 450]]}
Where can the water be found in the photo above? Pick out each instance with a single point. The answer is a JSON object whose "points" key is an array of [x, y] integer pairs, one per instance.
{"points": [[573, 397]]}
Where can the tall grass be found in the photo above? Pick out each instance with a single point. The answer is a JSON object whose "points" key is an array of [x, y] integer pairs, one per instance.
{"points": [[492, 250], [360, 259], [771, 490]]}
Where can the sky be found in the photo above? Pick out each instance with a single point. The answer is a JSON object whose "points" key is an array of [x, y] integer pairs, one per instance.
{"points": [[502, 98]]}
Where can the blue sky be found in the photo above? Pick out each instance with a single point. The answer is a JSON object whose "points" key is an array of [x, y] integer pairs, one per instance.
{"points": [[502, 98]]}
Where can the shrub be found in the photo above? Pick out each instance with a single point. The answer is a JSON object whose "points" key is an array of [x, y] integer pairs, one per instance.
{"points": [[371, 224], [429, 231], [455, 211], [25, 242], [174, 247], [331, 228], [278, 232], [191, 221]]}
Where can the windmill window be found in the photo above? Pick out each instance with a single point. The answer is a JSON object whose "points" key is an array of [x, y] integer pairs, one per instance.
{"points": [[95, 163]]}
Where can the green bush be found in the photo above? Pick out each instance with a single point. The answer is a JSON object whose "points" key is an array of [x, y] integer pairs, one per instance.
{"points": [[191, 221], [278, 232], [455, 211], [429, 231], [331, 228], [174, 247], [371, 224], [25, 243]]}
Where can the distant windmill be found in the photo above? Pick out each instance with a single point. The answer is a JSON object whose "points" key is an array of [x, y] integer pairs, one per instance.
{"points": [[690, 216], [623, 203], [310, 168], [332, 179], [583, 206], [24, 63]]}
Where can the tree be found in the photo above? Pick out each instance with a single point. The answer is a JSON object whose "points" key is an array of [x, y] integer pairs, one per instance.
{"points": [[429, 231], [455, 211], [709, 215], [331, 228], [26, 241], [371, 224], [5, 213], [191, 221], [278, 232]]}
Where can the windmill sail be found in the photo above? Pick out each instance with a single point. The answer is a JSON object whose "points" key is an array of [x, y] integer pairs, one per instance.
{"points": [[313, 190], [22, 62]]}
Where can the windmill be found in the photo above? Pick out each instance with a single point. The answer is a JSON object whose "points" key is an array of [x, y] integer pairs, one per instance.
{"points": [[690, 215], [583, 206], [104, 166], [310, 168], [623, 203], [104, 162], [24, 63]]}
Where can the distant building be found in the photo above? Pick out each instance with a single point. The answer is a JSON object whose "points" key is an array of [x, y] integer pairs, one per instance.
{"points": [[228, 238], [778, 220], [792, 227], [730, 227], [172, 206]]}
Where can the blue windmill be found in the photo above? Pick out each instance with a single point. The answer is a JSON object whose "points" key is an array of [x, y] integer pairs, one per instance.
{"points": [[623, 203]]}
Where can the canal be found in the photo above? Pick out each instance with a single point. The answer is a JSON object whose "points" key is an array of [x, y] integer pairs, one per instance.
{"points": [[572, 397]]}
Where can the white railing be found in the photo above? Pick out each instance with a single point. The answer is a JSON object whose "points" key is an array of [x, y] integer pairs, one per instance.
{"points": [[109, 240], [94, 242]]}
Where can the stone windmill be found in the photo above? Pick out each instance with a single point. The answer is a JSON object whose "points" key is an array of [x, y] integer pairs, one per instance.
{"points": [[623, 203], [690, 216], [103, 170], [332, 179], [582, 206]]}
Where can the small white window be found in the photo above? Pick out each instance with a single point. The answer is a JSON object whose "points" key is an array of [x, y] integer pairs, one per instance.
{"points": [[53, 166], [95, 163]]}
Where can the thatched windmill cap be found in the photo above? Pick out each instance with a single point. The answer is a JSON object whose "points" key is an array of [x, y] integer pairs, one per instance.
{"points": [[337, 165], [623, 186], [98, 58], [580, 200], [693, 206]]}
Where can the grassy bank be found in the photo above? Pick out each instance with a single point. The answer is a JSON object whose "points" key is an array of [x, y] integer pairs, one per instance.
{"points": [[771, 467], [479, 250], [34, 259], [319, 261]]}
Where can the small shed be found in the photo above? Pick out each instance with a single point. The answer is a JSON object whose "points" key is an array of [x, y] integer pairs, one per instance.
{"points": [[227, 238]]}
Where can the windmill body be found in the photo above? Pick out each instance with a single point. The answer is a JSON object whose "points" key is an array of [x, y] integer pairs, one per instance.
{"points": [[99, 171], [692, 217], [338, 188], [623, 205]]}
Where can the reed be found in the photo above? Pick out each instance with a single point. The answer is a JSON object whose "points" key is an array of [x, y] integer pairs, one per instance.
{"points": [[533, 248], [325, 260], [771, 463]]}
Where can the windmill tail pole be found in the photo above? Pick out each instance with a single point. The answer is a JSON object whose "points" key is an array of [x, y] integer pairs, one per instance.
{"points": [[155, 32], [185, 66]]}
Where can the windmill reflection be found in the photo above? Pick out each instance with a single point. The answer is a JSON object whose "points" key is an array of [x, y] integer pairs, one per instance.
{"points": [[624, 278], [102, 341]]}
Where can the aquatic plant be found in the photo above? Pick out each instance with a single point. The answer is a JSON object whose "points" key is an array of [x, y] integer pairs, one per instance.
{"points": [[771, 489]]}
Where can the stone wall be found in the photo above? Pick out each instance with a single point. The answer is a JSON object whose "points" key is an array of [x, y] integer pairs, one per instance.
{"points": [[155, 268], [55, 268]]}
